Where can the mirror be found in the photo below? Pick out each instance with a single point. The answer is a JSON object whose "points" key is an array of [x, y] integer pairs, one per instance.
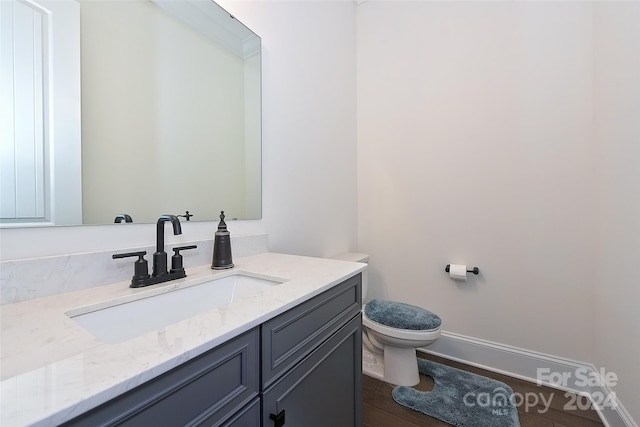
{"points": [[170, 114]]}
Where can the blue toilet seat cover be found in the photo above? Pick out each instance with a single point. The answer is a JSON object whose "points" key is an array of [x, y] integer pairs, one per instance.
{"points": [[402, 316]]}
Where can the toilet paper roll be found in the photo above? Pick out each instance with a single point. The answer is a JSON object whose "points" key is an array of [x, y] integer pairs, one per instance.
{"points": [[458, 272]]}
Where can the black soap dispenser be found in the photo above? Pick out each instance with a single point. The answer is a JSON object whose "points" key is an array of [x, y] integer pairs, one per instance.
{"points": [[222, 247]]}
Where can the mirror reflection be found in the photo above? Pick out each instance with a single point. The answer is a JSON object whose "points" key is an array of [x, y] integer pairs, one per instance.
{"points": [[170, 115]]}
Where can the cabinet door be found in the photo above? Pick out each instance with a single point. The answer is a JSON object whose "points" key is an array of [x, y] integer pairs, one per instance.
{"points": [[324, 389]]}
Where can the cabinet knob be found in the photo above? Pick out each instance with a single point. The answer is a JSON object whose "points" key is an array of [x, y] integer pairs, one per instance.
{"points": [[278, 420]]}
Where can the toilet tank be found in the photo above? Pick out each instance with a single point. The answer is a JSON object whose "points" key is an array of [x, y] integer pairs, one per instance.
{"points": [[357, 257]]}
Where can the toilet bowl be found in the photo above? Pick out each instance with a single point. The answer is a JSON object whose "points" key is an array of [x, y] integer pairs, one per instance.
{"points": [[391, 333]]}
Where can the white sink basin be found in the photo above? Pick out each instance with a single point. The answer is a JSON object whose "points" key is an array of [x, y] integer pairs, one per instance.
{"points": [[124, 318]]}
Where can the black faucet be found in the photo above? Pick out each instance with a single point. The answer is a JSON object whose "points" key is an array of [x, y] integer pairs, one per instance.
{"points": [[123, 217], [160, 256], [160, 274]]}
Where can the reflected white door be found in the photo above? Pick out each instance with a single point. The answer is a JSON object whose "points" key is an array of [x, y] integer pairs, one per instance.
{"points": [[40, 112]]}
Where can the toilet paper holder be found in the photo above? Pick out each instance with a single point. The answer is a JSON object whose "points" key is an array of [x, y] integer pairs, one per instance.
{"points": [[475, 270]]}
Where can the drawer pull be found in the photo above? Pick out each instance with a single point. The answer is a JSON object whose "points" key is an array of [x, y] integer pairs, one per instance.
{"points": [[278, 420]]}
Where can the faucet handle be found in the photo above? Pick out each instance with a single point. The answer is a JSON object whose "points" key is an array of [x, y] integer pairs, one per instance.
{"points": [[186, 215], [140, 267], [176, 259]]}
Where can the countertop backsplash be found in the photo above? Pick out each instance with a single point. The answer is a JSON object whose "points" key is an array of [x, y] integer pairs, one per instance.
{"points": [[26, 279]]}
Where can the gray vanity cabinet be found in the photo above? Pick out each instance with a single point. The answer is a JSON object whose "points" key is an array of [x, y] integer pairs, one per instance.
{"points": [[204, 391], [301, 368], [312, 361], [249, 416], [291, 336], [324, 390]]}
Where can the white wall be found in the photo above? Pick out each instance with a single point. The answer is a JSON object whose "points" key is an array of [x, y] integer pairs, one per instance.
{"points": [[478, 145], [617, 88], [309, 132], [309, 79], [475, 147]]}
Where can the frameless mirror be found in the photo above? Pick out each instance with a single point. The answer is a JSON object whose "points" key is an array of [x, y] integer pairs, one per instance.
{"points": [[170, 114]]}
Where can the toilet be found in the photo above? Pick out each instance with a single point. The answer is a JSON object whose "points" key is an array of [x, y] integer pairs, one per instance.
{"points": [[391, 333]]}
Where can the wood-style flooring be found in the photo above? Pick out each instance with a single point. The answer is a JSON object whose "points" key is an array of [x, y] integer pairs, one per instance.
{"points": [[380, 410]]}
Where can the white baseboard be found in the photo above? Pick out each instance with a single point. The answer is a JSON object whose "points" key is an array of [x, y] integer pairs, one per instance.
{"points": [[556, 372]]}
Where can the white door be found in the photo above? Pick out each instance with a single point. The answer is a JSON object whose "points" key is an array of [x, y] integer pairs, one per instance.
{"points": [[40, 171]]}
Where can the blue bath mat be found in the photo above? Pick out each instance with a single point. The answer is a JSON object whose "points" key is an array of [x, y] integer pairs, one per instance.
{"points": [[461, 398]]}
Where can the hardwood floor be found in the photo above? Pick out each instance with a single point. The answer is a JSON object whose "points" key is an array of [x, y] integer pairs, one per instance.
{"points": [[380, 410]]}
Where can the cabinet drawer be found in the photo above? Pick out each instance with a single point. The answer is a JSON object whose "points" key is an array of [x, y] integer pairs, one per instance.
{"points": [[249, 416], [325, 389], [208, 388], [289, 337]]}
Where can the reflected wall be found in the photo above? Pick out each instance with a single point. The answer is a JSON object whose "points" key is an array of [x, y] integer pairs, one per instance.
{"points": [[163, 118]]}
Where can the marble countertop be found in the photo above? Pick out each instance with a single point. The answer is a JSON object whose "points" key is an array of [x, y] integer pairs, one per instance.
{"points": [[52, 369]]}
